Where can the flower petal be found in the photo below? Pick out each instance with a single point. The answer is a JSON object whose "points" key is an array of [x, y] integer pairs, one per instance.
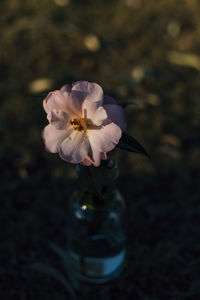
{"points": [[86, 162], [105, 138], [94, 158], [54, 137], [93, 99], [58, 118], [70, 103], [75, 148], [55, 100], [93, 90], [98, 116], [116, 114], [66, 88], [109, 100], [96, 155], [103, 155], [76, 101]]}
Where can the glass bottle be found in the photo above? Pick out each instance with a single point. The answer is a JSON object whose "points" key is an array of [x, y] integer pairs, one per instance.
{"points": [[96, 233]]}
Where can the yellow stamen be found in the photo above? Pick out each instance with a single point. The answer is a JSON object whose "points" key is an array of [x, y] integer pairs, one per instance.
{"points": [[79, 124]]}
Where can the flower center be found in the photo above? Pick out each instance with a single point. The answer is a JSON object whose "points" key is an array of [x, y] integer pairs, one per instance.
{"points": [[79, 124]]}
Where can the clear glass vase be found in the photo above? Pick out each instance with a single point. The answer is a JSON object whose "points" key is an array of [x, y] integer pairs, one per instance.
{"points": [[96, 232]]}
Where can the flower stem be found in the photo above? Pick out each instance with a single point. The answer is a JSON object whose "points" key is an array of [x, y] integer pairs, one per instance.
{"points": [[93, 183]]}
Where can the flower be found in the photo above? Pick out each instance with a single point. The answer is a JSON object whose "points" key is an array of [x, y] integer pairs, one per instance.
{"points": [[84, 124]]}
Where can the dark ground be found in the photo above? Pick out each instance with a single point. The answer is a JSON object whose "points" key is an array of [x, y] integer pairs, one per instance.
{"points": [[143, 52]]}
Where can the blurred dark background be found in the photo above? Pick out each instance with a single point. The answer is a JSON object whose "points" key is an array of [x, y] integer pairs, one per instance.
{"points": [[143, 52]]}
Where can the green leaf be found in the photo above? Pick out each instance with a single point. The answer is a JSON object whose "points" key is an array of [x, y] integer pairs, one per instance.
{"points": [[63, 255], [125, 104], [48, 270], [129, 143], [60, 252]]}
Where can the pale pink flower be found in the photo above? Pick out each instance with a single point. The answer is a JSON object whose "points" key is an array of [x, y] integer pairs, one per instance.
{"points": [[84, 124]]}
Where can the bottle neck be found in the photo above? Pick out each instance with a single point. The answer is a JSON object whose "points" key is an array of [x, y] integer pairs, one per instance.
{"points": [[97, 185]]}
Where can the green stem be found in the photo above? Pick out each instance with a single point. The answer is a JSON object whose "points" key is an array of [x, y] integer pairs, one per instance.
{"points": [[94, 186]]}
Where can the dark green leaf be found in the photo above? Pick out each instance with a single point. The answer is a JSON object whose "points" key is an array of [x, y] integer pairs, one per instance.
{"points": [[65, 259], [125, 104], [129, 143], [51, 271]]}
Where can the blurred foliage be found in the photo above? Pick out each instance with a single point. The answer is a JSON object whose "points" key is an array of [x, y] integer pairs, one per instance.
{"points": [[146, 53]]}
